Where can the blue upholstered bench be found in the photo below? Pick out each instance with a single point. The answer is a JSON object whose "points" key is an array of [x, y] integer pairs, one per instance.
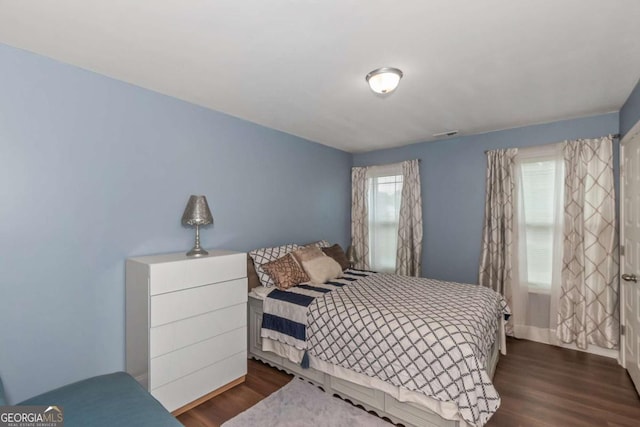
{"points": [[107, 400]]}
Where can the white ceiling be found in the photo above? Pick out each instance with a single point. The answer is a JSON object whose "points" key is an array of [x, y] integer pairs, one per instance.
{"points": [[299, 66]]}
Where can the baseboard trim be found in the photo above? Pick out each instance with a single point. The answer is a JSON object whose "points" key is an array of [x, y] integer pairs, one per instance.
{"points": [[594, 349], [548, 336], [208, 396], [143, 380]]}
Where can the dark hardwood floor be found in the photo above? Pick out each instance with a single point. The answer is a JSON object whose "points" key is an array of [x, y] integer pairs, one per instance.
{"points": [[540, 385]]}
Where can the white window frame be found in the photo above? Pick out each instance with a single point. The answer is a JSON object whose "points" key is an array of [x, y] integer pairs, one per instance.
{"points": [[374, 172], [552, 152]]}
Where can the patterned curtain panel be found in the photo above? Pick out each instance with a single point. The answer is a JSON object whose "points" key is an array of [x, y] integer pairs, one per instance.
{"points": [[497, 234], [360, 217], [409, 253], [588, 306]]}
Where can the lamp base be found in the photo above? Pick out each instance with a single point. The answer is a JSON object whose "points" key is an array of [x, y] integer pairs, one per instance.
{"points": [[197, 251]]}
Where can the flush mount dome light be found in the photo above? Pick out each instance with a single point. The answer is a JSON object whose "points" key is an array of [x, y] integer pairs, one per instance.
{"points": [[384, 80]]}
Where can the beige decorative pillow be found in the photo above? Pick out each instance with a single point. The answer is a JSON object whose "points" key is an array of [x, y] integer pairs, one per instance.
{"points": [[285, 272], [321, 269], [307, 253]]}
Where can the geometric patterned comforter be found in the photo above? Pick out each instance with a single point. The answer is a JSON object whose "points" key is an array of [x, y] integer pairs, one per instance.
{"points": [[423, 335]]}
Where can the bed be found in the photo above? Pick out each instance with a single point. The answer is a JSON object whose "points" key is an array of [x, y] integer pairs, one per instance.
{"points": [[398, 373]]}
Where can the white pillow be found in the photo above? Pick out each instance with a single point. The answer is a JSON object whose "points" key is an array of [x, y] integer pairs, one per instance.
{"points": [[265, 255], [321, 269]]}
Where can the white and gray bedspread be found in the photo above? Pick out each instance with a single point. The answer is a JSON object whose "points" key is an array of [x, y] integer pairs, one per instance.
{"points": [[427, 336]]}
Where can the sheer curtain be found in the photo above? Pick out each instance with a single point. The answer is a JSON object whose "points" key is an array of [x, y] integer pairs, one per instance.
{"points": [[538, 238], [360, 217], [496, 258], [497, 232], [409, 253], [588, 308]]}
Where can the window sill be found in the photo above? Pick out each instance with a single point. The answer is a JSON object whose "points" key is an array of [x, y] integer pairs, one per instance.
{"points": [[540, 291]]}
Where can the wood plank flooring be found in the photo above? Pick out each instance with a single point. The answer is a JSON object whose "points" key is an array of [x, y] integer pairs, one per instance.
{"points": [[540, 385]]}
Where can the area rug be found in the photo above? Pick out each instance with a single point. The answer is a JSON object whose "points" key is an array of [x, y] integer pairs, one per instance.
{"points": [[302, 404]]}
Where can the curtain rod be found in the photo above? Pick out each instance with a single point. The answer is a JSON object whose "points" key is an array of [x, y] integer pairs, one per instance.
{"points": [[612, 135]]}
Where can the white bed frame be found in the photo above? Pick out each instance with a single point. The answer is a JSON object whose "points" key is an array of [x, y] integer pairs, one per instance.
{"points": [[409, 414]]}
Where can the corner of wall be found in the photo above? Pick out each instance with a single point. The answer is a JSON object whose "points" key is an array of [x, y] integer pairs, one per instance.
{"points": [[630, 112]]}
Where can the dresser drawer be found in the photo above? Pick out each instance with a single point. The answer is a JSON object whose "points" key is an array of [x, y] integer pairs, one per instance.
{"points": [[173, 336], [180, 363], [187, 389], [177, 275], [179, 305]]}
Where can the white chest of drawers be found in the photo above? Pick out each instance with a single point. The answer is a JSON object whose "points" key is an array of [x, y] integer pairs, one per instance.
{"points": [[186, 325]]}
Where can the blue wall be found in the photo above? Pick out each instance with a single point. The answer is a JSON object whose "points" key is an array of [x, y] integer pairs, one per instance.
{"points": [[453, 187], [630, 112], [93, 171]]}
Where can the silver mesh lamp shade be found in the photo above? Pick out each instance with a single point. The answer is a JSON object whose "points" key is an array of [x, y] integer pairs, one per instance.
{"points": [[197, 213]]}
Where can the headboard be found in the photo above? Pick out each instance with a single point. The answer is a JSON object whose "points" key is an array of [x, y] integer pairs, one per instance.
{"points": [[252, 276]]}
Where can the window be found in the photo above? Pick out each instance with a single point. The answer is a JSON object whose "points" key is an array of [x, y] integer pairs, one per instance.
{"points": [[539, 217], [385, 191]]}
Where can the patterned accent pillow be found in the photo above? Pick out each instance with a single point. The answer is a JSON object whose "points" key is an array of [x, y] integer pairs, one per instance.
{"points": [[265, 255], [285, 272], [337, 253]]}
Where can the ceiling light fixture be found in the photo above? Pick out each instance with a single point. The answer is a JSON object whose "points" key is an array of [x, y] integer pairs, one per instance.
{"points": [[384, 80]]}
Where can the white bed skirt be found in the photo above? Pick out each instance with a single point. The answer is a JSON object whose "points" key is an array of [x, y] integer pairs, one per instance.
{"points": [[446, 410]]}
